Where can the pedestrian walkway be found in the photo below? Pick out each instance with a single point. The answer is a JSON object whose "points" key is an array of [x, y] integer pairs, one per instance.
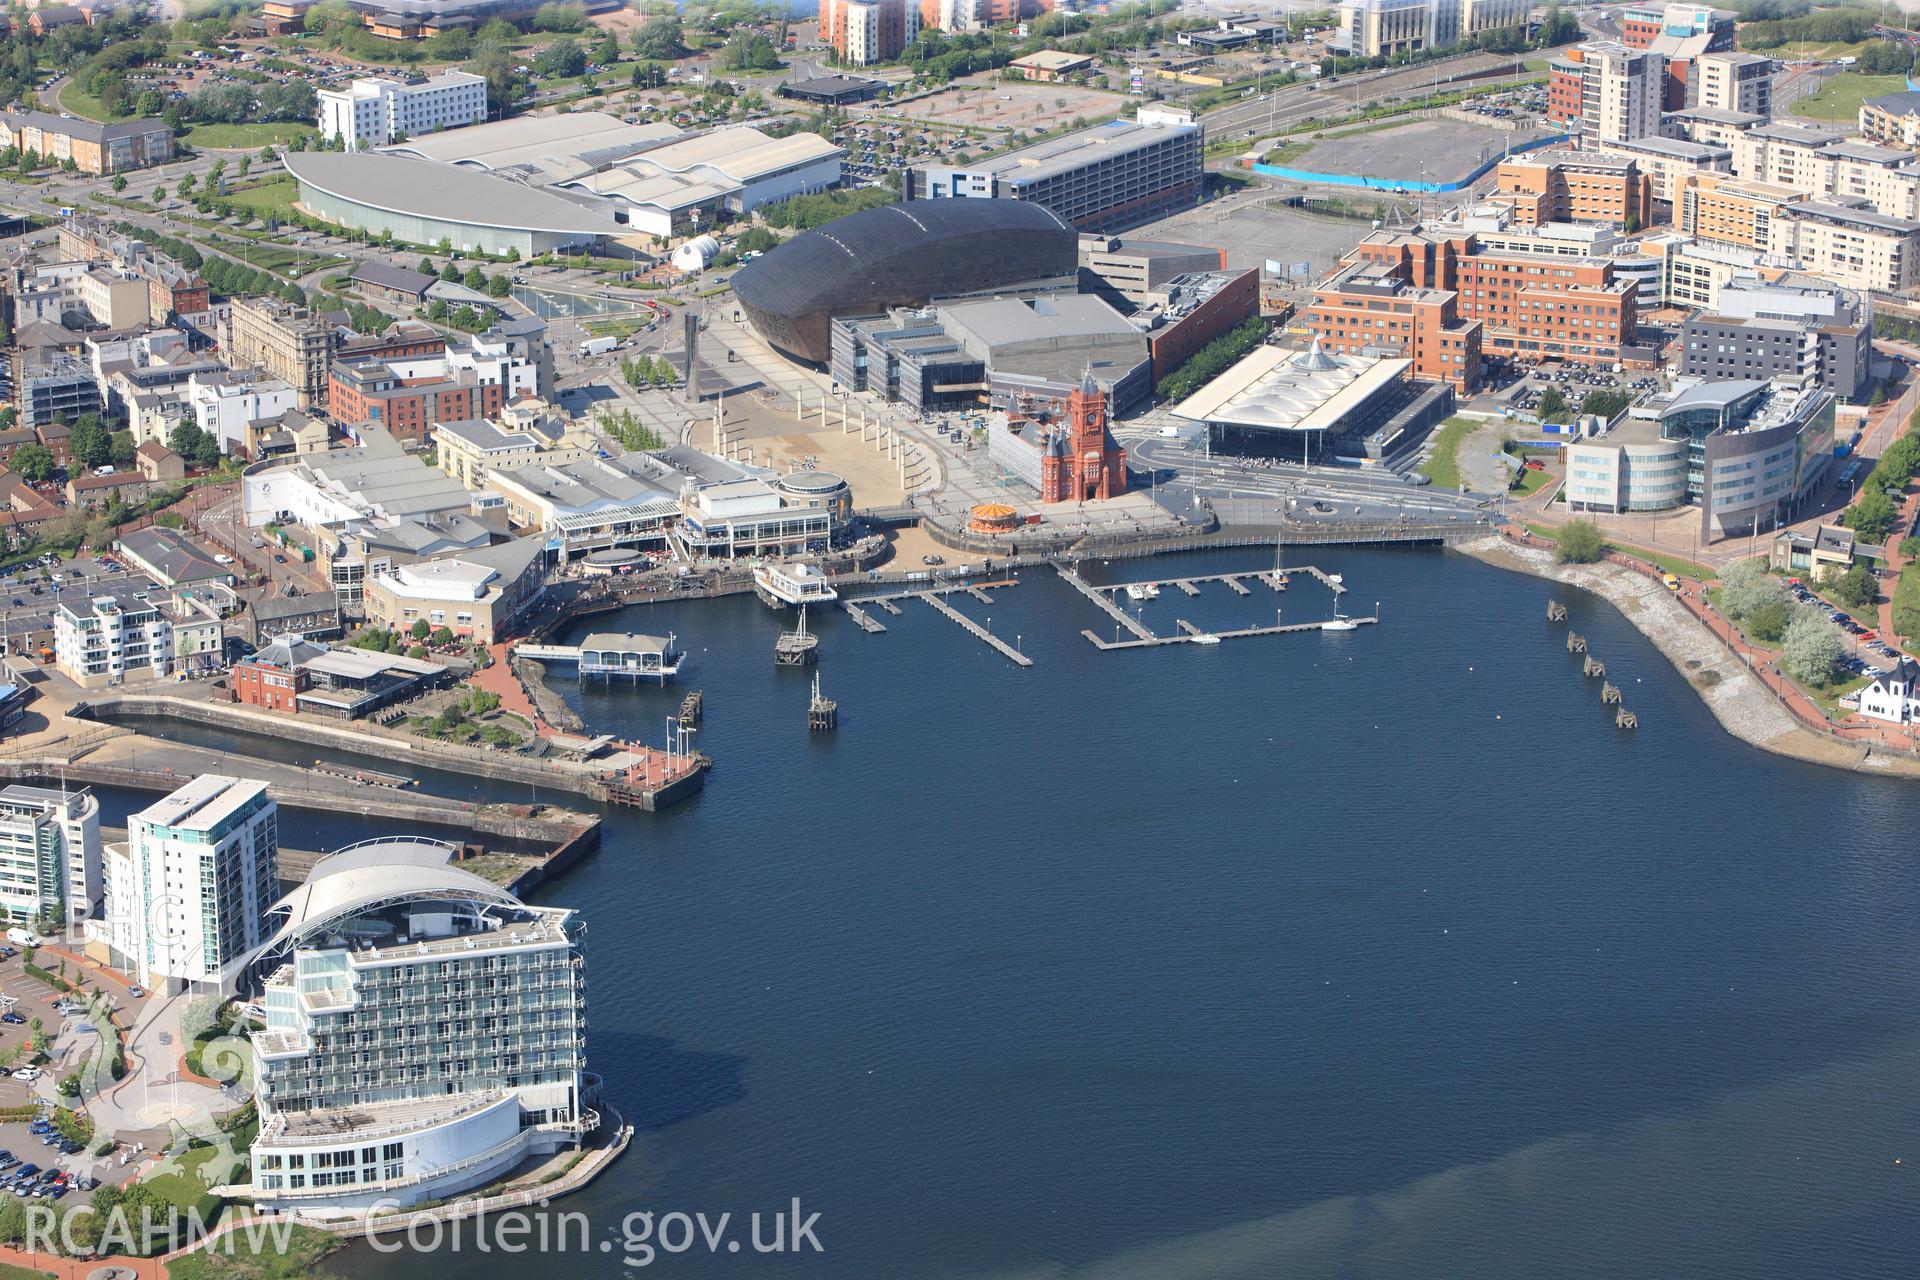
{"points": [[500, 679]]}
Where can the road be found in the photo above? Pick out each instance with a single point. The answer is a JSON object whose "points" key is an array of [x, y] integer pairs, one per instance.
{"points": [[1183, 476], [1299, 103]]}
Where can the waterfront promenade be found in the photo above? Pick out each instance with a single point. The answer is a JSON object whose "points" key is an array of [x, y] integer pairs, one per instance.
{"points": [[1741, 685]]}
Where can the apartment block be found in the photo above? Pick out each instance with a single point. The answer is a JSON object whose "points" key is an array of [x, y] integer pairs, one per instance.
{"points": [[865, 32], [1893, 119], [1732, 82], [1642, 26], [1610, 91], [376, 112], [1721, 210], [1851, 246], [104, 640], [49, 854], [1794, 329], [1669, 162], [187, 896], [289, 342], [1572, 186]]}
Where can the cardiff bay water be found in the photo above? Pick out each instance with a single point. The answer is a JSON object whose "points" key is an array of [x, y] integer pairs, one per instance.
{"points": [[1379, 953]]}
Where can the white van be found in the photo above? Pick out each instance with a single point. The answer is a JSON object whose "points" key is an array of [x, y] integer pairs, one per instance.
{"points": [[23, 937]]}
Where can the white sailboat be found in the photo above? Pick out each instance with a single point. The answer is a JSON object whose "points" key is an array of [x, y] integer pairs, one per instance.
{"points": [[1339, 621]]}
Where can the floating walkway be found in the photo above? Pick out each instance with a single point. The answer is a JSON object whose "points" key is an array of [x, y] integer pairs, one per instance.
{"points": [[862, 619], [979, 632], [1190, 634]]}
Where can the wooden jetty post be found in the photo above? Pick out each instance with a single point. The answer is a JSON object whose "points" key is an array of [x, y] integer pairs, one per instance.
{"points": [[1625, 719], [1556, 612], [1593, 666], [1609, 693], [797, 648], [823, 714], [1576, 643], [692, 708]]}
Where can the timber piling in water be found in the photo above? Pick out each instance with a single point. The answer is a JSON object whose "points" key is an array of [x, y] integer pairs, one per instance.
{"points": [[1625, 719], [1556, 612], [1576, 643], [1593, 667], [693, 708], [823, 713]]}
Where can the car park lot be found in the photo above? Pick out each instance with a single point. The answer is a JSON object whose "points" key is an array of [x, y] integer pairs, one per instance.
{"points": [[36, 1162], [29, 592]]}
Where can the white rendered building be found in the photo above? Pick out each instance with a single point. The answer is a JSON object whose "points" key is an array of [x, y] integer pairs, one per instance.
{"points": [[49, 853], [103, 640], [188, 895], [374, 113], [1894, 696], [225, 403], [425, 1033]]}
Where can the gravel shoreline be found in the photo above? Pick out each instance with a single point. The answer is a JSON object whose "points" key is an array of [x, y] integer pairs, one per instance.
{"points": [[1741, 704]]}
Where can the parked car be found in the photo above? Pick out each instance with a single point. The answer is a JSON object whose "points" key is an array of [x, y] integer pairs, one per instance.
{"points": [[28, 1074]]}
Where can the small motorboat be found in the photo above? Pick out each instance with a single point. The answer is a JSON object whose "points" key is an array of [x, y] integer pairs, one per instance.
{"points": [[1143, 591], [1205, 638]]}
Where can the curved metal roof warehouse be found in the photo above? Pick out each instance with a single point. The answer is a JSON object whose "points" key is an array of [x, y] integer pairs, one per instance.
{"points": [[423, 203]]}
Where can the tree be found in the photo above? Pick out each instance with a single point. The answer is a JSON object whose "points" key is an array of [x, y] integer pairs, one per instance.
{"points": [[564, 57], [475, 279], [659, 38], [1769, 621], [1873, 515], [89, 444], [119, 182], [1606, 405], [1553, 406], [442, 636], [420, 629], [748, 53], [426, 267], [120, 445], [451, 272], [1810, 648], [1856, 588], [1746, 586], [607, 52], [1579, 542], [34, 462], [499, 287], [559, 17]]}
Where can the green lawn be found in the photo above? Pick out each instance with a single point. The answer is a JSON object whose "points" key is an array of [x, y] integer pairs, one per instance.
{"points": [[10, 1272], [1824, 50], [185, 1185], [1840, 97], [79, 103], [273, 196], [1829, 697], [1443, 467], [1678, 566], [232, 1259], [1531, 482], [248, 137]]}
